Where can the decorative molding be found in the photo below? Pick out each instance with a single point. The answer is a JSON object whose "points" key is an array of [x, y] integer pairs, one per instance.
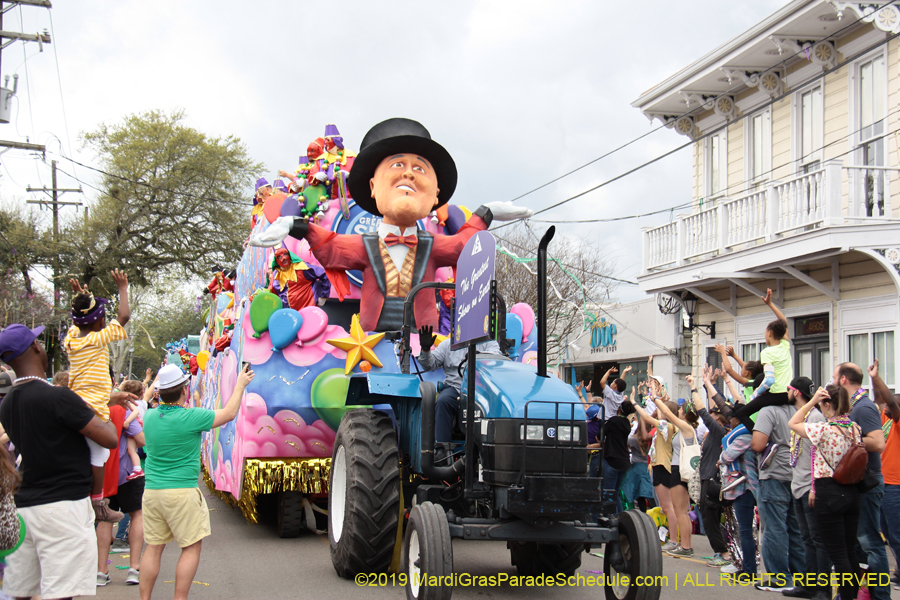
{"points": [[684, 124], [705, 101], [821, 53], [768, 81], [725, 107], [885, 18]]}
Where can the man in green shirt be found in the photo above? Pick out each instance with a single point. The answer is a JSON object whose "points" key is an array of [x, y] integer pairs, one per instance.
{"points": [[173, 506]]}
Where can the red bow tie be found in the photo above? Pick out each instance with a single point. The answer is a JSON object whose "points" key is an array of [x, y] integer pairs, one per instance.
{"points": [[392, 240]]}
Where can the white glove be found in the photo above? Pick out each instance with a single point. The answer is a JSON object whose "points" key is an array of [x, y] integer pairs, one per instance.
{"points": [[274, 234], [321, 177], [507, 211]]}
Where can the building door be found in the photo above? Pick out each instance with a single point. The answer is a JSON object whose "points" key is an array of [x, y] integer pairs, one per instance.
{"points": [[813, 359], [812, 349]]}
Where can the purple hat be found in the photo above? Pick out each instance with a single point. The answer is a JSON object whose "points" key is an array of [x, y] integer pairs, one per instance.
{"points": [[331, 131], [94, 312], [261, 183], [15, 339], [279, 185]]}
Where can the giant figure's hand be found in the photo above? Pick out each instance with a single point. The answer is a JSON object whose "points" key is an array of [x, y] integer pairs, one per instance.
{"points": [[507, 211], [275, 233]]}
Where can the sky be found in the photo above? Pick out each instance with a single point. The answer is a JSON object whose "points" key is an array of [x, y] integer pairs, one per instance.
{"points": [[518, 91]]}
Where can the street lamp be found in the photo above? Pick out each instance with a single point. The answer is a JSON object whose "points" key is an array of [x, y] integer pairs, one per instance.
{"points": [[689, 301]]}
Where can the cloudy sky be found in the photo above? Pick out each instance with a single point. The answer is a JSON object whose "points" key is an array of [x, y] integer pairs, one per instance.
{"points": [[518, 91]]}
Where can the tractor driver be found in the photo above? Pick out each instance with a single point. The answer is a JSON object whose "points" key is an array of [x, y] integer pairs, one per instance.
{"points": [[447, 407]]}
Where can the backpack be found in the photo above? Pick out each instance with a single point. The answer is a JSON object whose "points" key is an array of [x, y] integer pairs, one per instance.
{"points": [[852, 467]]}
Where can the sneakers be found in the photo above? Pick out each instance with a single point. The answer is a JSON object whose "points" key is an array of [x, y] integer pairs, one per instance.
{"points": [[103, 513], [137, 472], [679, 551], [767, 456], [718, 561], [771, 588], [669, 546], [734, 484], [119, 546], [799, 592], [729, 569], [102, 579], [134, 577]]}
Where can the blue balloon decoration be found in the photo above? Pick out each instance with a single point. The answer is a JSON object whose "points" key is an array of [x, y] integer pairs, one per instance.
{"points": [[283, 327], [514, 330]]}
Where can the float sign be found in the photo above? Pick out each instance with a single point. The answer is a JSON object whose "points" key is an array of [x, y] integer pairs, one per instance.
{"points": [[474, 272]]}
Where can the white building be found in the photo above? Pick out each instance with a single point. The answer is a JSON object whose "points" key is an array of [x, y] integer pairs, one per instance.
{"points": [[795, 173], [628, 335]]}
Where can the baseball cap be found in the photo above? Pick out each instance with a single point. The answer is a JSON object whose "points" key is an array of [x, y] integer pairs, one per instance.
{"points": [[805, 386], [592, 411], [5, 382], [659, 380], [170, 376], [15, 339]]}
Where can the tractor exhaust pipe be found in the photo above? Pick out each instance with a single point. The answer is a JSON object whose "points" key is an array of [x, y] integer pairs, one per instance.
{"points": [[542, 301], [448, 473]]}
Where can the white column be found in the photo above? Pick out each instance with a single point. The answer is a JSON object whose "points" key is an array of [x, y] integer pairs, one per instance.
{"points": [[832, 193]]}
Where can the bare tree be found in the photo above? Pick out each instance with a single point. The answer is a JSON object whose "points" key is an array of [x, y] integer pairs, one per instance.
{"points": [[579, 277]]}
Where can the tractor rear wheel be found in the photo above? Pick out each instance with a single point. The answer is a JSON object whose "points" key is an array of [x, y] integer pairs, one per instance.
{"points": [[533, 558], [364, 498], [637, 576]]}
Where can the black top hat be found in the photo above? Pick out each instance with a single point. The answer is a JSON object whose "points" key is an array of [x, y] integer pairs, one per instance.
{"points": [[397, 136]]}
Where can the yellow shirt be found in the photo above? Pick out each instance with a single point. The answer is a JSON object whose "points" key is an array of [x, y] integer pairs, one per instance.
{"points": [[89, 365]]}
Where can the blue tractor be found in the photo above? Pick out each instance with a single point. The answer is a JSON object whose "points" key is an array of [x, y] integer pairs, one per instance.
{"points": [[522, 477]]}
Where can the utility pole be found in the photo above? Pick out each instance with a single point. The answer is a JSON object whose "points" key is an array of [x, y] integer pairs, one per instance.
{"points": [[55, 203]]}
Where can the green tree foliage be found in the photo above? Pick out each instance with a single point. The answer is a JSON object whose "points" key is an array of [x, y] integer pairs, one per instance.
{"points": [[175, 199]]}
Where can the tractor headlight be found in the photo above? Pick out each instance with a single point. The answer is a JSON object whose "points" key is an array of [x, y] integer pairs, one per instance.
{"points": [[565, 434], [531, 432]]}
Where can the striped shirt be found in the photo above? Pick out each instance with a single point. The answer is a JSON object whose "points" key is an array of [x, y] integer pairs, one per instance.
{"points": [[89, 365]]}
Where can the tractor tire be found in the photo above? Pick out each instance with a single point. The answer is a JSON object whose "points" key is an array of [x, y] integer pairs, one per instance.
{"points": [[532, 558], [291, 516], [639, 546], [364, 498], [427, 553]]}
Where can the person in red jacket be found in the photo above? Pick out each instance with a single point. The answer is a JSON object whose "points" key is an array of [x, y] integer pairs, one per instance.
{"points": [[402, 175]]}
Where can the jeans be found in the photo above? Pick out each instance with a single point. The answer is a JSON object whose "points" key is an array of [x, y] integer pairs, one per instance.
{"points": [[817, 560], [743, 510], [870, 541], [612, 480], [122, 528], [446, 411], [782, 550], [711, 519], [890, 517], [837, 512], [595, 465]]}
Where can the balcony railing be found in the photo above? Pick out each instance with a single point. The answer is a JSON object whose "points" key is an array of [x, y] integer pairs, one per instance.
{"points": [[781, 209]]}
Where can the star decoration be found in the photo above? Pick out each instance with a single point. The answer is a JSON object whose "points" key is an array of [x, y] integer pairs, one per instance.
{"points": [[358, 346]]}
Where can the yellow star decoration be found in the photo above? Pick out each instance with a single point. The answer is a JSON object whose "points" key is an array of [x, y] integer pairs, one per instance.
{"points": [[358, 346]]}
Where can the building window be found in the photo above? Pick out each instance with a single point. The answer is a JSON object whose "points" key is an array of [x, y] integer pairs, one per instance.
{"points": [[751, 351], [759, 148], [865, 347], [871, 127], [716, 165], [810, 124]]}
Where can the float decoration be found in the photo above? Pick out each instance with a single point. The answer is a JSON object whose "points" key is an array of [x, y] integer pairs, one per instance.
{"points": [[358, 346]]}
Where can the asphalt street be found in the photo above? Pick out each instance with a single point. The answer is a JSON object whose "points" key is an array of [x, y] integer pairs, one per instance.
{"points": [[249, 562]]}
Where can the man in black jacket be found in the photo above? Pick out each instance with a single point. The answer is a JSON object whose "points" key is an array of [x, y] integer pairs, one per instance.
{"points": [[716, 422]]}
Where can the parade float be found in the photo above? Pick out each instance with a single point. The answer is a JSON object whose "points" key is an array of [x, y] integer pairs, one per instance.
{"points": [[277, 312]]}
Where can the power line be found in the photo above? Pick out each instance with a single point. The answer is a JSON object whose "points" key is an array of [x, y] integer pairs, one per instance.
{"points": [[625, 218], [62, 100], [716, 130], [782, 64]]}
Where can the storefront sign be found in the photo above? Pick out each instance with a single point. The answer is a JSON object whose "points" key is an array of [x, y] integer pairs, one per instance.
{"points": [[817, 325], [602, 337]]}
